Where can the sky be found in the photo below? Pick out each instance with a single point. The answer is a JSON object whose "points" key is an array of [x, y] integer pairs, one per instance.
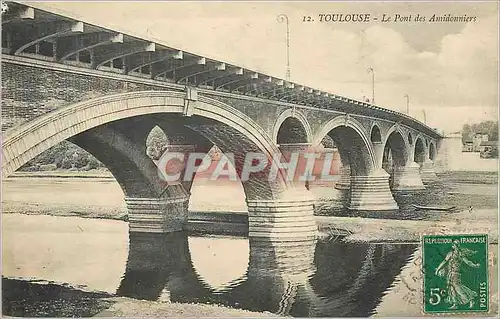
{"points": [[449, 70]]}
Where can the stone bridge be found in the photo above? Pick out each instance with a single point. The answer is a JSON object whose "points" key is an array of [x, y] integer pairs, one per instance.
{"points": [[64, 79]]}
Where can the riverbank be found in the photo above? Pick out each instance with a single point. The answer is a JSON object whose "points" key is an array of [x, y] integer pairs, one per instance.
{"points": [[128, 307], [375, 230], [50, 299], [219, 207]]}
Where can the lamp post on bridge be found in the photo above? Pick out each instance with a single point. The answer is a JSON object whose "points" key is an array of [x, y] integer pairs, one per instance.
{"points": [[370, 70], [407, 104], [284, 18]]}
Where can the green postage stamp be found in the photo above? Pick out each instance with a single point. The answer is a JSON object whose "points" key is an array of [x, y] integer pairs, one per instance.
{"points": [[455, 271]]}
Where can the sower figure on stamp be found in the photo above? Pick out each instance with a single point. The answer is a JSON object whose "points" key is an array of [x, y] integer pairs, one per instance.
{"points": [[458, 293]]}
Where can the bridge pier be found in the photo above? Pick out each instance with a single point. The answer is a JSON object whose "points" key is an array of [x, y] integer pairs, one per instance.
{"points": [[322, 188], [169, 211], [427, 172], [388, 168], [157, 215], [287, 218], [372, 193], [407, 178], [324, 155], [292, 148]]}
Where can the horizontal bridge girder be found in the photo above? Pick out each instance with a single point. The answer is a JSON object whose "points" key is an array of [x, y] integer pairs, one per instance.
{"points": [[114, 51], [68, 46], [136, 62], [43, 32]]}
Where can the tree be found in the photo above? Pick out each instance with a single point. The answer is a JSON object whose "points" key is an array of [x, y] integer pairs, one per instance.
{"points": [[64, 155], [487, 127], [466, 133]]}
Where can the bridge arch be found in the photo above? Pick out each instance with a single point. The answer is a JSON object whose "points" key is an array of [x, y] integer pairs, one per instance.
{"points": [[397, 145], [419, 151], [25, 142], [353, 143], [432, 151], [410, 139], [375, 135], [395, 149], [292, 127]]}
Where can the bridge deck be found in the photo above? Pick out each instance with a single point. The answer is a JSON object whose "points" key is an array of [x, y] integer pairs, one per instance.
{"points": [[37, 34]]}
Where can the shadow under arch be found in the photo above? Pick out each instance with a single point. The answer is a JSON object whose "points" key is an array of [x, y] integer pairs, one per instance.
{"points": [[292, 127], [432, 151], [419, 152], [121, 157], [396, 145], [353, 144], [375, 136]]}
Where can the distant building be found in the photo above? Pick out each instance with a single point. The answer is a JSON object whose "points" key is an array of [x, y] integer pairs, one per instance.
{"points": [[468, 146], [477, 139], [489, 149]]}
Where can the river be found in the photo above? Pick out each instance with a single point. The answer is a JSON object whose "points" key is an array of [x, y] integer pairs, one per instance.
{"points": [[71, 266]]}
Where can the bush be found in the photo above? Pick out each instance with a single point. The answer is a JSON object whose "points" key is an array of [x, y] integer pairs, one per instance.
{"points": [[64, 155], [93, 163], [30, 168], [66, 163], [80, 159], [47, 167]]}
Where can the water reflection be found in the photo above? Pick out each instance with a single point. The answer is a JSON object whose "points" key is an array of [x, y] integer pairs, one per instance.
{"points": [[312, 279], [219, 261], [352, 278], [159, 265]]}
